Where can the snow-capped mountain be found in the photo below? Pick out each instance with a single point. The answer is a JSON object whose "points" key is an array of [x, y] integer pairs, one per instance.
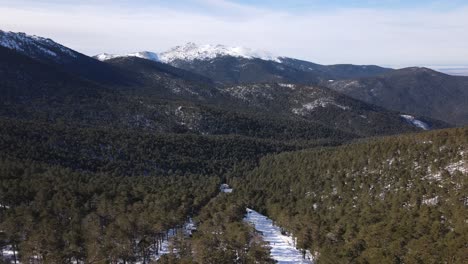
{"points": [[34, 46], [192, 51], [234, 65]]}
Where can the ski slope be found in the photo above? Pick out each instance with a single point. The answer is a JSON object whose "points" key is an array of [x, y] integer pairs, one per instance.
{"points": [[282, 246]]}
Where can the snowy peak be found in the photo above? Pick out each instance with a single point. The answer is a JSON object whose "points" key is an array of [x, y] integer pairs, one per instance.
{"points": [[34, 46], [143, 54], [192, 51], [106, 56]]}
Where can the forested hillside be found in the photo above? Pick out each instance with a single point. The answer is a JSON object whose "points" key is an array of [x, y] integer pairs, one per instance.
{"points": [[123, 152], [391, 200], [54, 215]]}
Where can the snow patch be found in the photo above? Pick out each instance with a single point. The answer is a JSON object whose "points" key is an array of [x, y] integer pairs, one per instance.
{"points": [[7, 254], [224, 188], [322, 102], [165, 247], [461, 166], [417, 123], [287, 85], [283, 248], [431, 201], [250, 92]]}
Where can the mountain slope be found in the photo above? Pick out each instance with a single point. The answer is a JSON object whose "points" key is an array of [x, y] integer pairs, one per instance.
{"points": [[413, 90], [337, 71], [23, 78], [383, 200], [238, 70], [318, 104], [35, 91], [50, 52], [151, 78]]}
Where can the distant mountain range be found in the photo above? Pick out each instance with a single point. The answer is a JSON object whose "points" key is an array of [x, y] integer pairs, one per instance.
{"points": [[243, 65], [451, 70], [131, 92], [417, 91], [215, 76]]}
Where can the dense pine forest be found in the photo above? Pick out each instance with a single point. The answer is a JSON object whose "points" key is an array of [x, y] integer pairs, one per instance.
{"points": [[132, 152], [391, 200], [386, 200], [93, 195], [55, 215]]}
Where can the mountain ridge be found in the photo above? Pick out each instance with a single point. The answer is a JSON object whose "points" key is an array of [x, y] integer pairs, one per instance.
{"points": [[192, 51], [232, 60], [416, 90]]}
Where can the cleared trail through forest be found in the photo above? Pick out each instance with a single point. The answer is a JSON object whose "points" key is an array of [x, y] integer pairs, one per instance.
{"points": [[282, 246]]}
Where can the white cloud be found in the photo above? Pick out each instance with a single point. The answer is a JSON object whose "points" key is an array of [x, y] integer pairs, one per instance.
{"points": [[361, 36]]}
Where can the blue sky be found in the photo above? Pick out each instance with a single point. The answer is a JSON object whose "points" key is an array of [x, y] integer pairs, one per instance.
{"points": [[330, 4], [386, 32], [297, 5]]}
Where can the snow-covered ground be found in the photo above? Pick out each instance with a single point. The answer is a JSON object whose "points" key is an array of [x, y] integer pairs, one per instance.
{"points": [[321, 102], [417, 123], [7, 254], [282, 246], [164, 247], [224, 188]]}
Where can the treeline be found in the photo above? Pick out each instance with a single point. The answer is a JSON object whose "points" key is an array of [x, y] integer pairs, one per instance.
{"points": [[54, 215], [390, 200]]}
